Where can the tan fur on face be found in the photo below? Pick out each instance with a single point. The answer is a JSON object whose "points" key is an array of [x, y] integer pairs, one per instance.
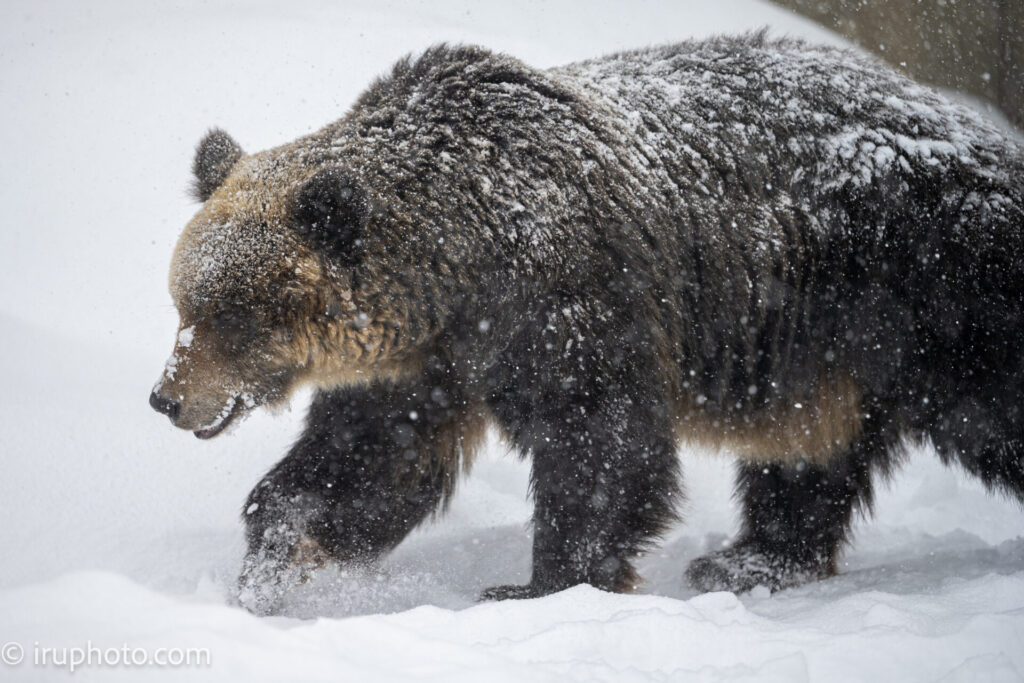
{"points": [[338, 338], [812, 430], [197, 381], [241, 251], [237, 238], [345, 350]]}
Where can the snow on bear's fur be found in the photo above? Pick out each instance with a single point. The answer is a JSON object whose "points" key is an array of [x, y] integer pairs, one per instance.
{"points": [[784, 250]]}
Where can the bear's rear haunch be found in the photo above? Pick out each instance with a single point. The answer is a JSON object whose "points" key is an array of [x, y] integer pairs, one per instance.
{"points": [[786, 251]]}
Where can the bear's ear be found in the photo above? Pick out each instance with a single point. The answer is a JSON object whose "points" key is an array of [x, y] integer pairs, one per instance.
{"points": [[216, 155], [331, 208]]}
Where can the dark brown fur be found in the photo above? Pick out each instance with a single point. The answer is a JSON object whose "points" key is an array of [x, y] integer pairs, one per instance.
{"points": [[781, 250]]}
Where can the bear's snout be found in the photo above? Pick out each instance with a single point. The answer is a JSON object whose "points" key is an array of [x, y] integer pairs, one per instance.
{"points": [[168, 407]]}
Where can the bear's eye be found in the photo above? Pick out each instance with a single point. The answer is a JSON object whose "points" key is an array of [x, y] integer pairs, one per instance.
{"points": [[225, 320], [230, 327]]}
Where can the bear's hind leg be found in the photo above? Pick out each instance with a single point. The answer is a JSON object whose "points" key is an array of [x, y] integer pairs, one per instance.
{"points": [[372, 464], [795, 517]]}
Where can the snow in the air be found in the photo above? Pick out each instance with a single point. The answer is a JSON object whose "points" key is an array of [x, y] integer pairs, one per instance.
{"points": [[121, 532]]}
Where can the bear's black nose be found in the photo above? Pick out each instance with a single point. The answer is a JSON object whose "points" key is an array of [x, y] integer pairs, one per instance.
{"points": [[166, 406]]}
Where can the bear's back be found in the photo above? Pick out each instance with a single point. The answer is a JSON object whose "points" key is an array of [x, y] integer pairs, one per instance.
{"points": [[748, 119]]}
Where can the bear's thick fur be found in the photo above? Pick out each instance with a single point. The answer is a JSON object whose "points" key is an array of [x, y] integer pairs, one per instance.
{"points": [[786, 251]]}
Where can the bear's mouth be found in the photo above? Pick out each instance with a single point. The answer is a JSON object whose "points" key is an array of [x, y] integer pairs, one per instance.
{"points": [[226, 416]]}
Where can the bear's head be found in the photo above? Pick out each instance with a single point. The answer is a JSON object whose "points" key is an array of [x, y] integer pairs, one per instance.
{"points": [[279, 279]]}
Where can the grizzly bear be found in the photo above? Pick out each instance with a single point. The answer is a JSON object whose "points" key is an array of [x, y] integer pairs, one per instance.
{"points": [[788, 252]]}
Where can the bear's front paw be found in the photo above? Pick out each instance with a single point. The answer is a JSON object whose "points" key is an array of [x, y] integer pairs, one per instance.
{"points": [[512, 592], [743, 567], [260, 600], [263, 583]]}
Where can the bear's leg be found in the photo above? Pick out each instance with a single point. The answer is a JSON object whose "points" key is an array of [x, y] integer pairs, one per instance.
{"points": [[604, 480], [371, 465], [795, 518]]}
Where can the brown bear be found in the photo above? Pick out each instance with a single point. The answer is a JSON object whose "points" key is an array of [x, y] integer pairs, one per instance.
{"points": [[786, 251]]}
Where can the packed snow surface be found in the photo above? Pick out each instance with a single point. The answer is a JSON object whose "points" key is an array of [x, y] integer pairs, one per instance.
{"points": [[120, 532]]}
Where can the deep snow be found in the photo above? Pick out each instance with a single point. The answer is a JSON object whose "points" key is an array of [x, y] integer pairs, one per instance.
{"points": [[118, 529]]}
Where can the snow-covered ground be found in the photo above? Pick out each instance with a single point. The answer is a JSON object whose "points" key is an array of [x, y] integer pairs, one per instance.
{"points": [[120, 531]]}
